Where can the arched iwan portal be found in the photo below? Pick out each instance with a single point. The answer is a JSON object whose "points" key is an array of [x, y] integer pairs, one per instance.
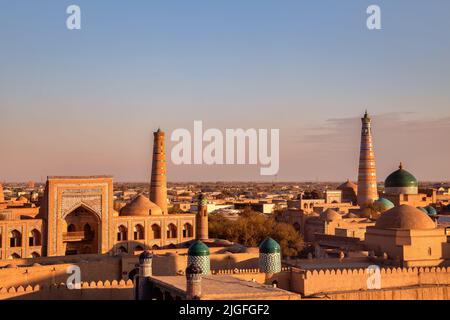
{"points": [[81, 234]]}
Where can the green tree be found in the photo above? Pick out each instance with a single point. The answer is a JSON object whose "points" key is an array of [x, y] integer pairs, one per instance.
{"points": [[251, 228]]}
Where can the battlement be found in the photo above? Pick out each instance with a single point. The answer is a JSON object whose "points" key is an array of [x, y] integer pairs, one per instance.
{"points": [[88, 290], [314, 282], [243, 271]]}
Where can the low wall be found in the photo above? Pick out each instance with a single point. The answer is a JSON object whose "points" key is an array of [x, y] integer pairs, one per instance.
{"points": [[92, 270], [315, 282], [171, 264], [417, 293], [108, 290]]}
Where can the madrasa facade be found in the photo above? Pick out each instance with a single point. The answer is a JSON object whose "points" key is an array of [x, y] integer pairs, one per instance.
{"points": [[76, 216]]}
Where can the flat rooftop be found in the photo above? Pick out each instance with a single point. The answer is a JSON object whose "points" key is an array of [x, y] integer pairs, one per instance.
{"points": [[223, 287], [79, 177]]}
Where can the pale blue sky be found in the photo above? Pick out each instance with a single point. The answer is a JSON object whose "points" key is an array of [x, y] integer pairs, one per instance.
{"points": [[85, 102]]}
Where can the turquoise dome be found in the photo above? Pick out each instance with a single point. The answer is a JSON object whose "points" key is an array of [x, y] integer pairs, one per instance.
{"points": [[431, 210], [401, 179], [198, 249], [269, 246], [383, 204]]}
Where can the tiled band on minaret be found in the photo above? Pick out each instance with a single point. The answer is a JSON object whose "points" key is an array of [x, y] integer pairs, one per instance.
{"points": [[367, 178], [158, 185]]}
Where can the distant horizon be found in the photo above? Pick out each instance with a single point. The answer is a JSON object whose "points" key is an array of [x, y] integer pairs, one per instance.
{"points": [[444, 182]]}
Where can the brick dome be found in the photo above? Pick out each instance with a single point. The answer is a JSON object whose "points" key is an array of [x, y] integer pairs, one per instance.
{"points": [[405, 217], [330, 215], [140, 206]]}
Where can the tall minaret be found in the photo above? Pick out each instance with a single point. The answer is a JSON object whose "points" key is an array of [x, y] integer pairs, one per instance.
{"points": [[201, 219], [367, 177], [158, 184], [2, 196]]}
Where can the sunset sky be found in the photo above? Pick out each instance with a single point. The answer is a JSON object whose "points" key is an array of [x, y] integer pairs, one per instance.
{"points": [[86, 101]]}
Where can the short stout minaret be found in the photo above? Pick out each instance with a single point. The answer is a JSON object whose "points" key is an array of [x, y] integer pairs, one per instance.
{"points": [[141, 281], [158, 184], [198, 255], [367, 178], [269, 258], [193, 282], [201, 219]]}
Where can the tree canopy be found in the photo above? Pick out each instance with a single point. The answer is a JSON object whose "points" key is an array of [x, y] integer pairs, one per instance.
{"points": [[251, 228]]}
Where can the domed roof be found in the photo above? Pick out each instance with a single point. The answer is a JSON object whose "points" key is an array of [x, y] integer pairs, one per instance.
{"points": [[140, 206], [330, 215], [383, 204], [145, 255], [269, 246], [404, 217], [431, 210], [198, 248], [400, 178], [423, 209], [348, 185]]}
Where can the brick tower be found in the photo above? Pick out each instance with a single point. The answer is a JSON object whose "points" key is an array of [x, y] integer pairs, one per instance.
{"points": [[158, 184], [201, 219], [367, 177], [2, 196]]}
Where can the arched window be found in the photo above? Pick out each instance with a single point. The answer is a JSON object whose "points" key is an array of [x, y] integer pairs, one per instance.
{"points": [[122, 249], [35, 238], [15, 239], [139, 232], [155, 247], [187, 231], [71, 228], [122, 234], [305, 206], [171, 231], [156, 231], [35, 255], [88, 232], [14, 256], [138, 248]]}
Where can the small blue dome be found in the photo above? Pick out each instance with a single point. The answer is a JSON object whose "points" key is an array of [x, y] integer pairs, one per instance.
{"points": [[198, 249], [431, 210], [383, 204], [269, 246]]}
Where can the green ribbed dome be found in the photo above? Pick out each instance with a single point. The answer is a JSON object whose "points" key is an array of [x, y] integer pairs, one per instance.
{"points": [[269, 246], [198, 249], [400, 179]]}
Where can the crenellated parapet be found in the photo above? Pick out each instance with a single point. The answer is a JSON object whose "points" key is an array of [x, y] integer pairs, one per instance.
{"points": [[316, 282], [88, 290]]}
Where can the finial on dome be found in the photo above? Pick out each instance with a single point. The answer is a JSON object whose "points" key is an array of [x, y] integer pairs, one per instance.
{"points": [[400, 166]]}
